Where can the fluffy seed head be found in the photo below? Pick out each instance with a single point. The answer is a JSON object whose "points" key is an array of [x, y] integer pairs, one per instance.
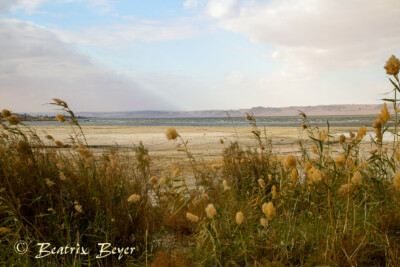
{"points": [[61, 118], [191, 217], [171, 134], [58, 143], [49, 182], [261, 183], [317, 176], [342, 138], [264, 222], [361, 133], [314, 150], [322, 135], [385, 113], [78, 207], [273, 191], [153, 180], [163, 180], [133, 198], [345, 190], [392, 66], [357, 178], [340, 161], [239, 218], [13, 119], [269, 210], [5, 113], [62, 176], [211, 211], [290, 162]]}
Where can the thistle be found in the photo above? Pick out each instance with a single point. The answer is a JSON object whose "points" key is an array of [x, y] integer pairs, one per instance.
{"points": [[171, 134]]}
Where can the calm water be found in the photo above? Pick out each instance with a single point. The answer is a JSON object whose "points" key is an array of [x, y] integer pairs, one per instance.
{"points": [[355, 121]]}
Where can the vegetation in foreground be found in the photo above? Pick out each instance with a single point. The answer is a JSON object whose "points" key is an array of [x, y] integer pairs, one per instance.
{"points": [[327, 206]]}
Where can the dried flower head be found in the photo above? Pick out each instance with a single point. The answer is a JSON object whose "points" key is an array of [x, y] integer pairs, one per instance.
{"points": [[261, 183], [294, 177], [211, 211], [225, 184], [290, 162], [58, 143], [78, 207], [396, 180], [385, 113], [304, 125], [239, 218], [191, 217], [5, 113], [133, 198], [342, 138], [249, 117], [273, 191], [163, 180], [269, 210], [314, 150], [317, 176], [357, 178], [86, 153], [49, 182], [392, 66], [341, 160], [345, 190], [308, 166], [62, 176], [361, 133], [221, 141], [13, 119], [322, 135], [264, 222], [61, 118], [171, 134], [205, 196]]}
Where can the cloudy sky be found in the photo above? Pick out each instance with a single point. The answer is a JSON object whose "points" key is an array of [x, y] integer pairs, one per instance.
{"points": [[120, 55]]}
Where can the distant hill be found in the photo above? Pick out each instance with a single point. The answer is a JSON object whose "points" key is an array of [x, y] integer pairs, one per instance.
{"points": [[321, 110]]}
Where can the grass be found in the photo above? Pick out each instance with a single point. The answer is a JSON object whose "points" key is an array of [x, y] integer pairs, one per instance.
{"points": [[331, 205]]}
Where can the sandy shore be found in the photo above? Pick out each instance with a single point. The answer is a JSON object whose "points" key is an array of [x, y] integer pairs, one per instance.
{"points": [[203, 142]]}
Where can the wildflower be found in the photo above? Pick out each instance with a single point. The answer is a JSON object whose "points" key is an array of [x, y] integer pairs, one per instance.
{"points": [[273, 191], [133, 198], [62, 176], [261, 183], [342, 138], [314, 150], [392, 66], [340, 161], [49, 182], [290, 162], [171, 134], [396, 180], [264, 222], [153, 180], [5, 113], [13, 119], [191, 217], [225, 184], [357, 178], [61, 118], [345, 190], [59, 143], [210, 211], [294, 177], [239, 218], [269, 210]]}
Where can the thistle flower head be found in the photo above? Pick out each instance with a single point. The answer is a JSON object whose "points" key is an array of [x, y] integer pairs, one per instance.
{"points": [[290, 162], [133, 198], [191, 217], [5, 113], [211, 211], [171, 134], [239, 218], [392, 66]]}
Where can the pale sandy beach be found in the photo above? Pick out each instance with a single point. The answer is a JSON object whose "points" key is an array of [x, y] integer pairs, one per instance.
{"points": [[203, 142]]}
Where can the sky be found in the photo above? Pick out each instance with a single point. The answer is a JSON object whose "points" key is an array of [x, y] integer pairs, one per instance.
{"points": [[125, 55]]}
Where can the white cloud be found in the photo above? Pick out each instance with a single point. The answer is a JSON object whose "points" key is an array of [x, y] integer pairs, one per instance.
{"points": [[35, 67], [188, 4], [317, 35]]}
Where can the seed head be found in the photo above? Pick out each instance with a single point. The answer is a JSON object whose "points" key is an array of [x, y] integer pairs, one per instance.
{"points": [[340, 161], [221, 141], [61, 118], [171, 134], [191, 217], [317, 176], [290, 162], [225, 184], [264, 222], [322, 135], [345, 190], [163, 180], [314, 150], [62, 176], [304, 125], [361, 133], [49, 182], [78, 207], [261, 183], [269, 210], [153, 180], [357, 178], [205, 196], [273, 191], [58, 143], [211, 211], [385, 113], [392, 66], [13, 119], [5, 113], [133, 198], [239, 218], [342, 138]]}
